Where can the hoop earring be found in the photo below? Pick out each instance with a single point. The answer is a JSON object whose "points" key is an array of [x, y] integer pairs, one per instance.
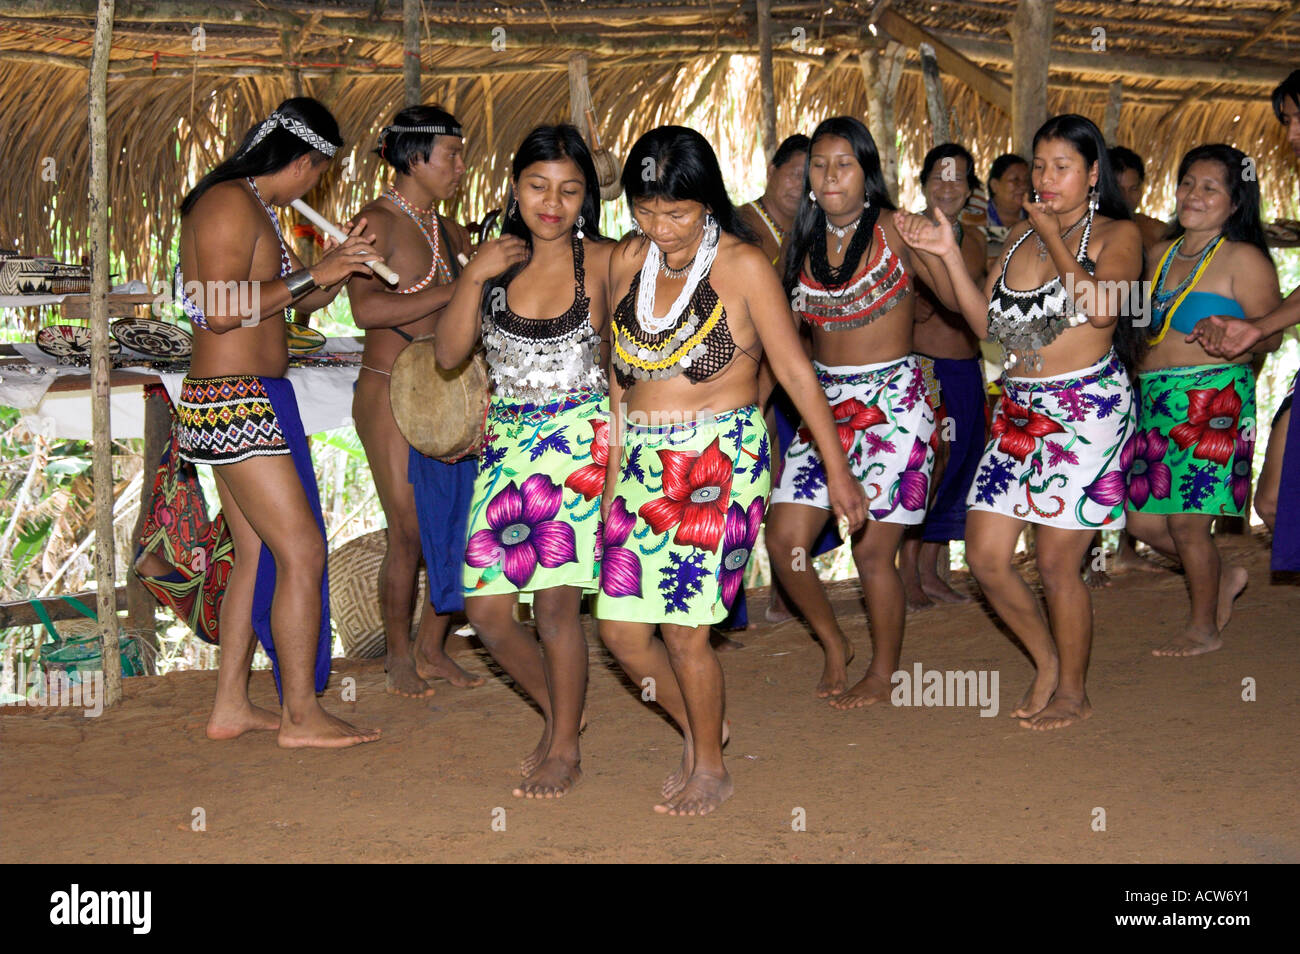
{"points": [[812, 196], [580, 224]]}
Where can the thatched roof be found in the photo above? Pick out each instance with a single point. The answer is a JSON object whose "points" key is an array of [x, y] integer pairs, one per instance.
{"points": [[179, 96]]}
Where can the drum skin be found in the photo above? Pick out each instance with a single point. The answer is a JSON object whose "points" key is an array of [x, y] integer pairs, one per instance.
{"points": [[440, 413]]}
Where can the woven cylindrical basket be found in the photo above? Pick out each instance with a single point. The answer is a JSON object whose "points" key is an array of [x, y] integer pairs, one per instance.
{"points": [[354, 595]]}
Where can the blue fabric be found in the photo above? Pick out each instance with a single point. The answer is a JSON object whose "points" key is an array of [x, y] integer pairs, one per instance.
{"points": [[443, 494], [285, 405], [1286, 528], [787, 423], [961, 382], [1198, 305]]}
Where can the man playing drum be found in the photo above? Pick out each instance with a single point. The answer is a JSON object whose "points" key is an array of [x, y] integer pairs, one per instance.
{"points": [[425, 501]]}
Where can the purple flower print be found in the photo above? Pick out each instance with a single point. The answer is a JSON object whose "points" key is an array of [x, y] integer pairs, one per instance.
{"points": [[1143, 459], [913, 483], [524, 531], [738, 541], [620, 567], [1241, 471]]}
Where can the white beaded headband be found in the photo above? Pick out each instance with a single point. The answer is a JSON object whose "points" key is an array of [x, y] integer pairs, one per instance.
{"points": [[436, 130], [297, 127]]}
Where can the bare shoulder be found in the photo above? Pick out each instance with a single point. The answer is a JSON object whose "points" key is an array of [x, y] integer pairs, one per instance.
{"points": [[1111, 230], [1244, 256], [225, 201], [597, 254], [1017, 230], [743, 257], [627, 255]]}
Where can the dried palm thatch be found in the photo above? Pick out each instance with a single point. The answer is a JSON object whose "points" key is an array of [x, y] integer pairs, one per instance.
{"points": [[187, 79]]}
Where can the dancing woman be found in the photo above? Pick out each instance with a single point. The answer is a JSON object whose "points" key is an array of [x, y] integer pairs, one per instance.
{"points": [[689, 457], [942, 338], [1190, 460], [535, 515], [1066, 412], [852, 285], [237, 412]]}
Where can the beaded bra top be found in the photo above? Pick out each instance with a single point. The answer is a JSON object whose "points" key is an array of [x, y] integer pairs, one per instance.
{"points": [[536, 361], [878, 288], [1033, 319], [698, 345], [191, 308]]}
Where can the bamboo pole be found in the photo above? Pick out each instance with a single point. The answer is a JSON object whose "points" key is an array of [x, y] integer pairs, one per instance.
{"points": [[1031, 35], [100, 366], [1114, 103], [766, 79], [411, 51], [934, 98]]}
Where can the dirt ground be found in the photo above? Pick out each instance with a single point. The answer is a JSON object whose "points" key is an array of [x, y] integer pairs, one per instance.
{"points": [[1185, 770]]}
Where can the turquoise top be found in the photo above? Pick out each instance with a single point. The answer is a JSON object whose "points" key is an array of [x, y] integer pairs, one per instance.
{"points": [[1198, 305]]}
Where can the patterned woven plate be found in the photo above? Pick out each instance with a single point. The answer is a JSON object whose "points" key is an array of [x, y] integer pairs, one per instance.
{"points": [[65, 341], [304, 340], [153, 339]]}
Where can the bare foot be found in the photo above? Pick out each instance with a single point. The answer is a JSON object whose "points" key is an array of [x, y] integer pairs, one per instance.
{"points": [[402, 679], [839, 653], [554, 778], [319, 729], [941, 592], [701, 795], [1127, 559], [1192, 641], [915, 596], [1040, 690], [1059, 713], [723, 643], [1096, 579], [231, 724], [871, 689], [528, 764], [443, 666], [676, 779], [777, 611], [1232, 580]]}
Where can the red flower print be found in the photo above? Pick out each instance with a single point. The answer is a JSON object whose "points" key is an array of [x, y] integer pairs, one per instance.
{"points": [[1019, 429], [850, 417], [697, 489], [1211, 424], [589, 479]]}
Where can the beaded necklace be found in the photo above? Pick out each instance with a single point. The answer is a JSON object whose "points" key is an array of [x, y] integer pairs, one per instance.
{"points": [[436, 264], [778, 233]]}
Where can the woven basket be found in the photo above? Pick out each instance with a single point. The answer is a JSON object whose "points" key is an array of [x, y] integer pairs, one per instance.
{"points": [[354, 595]]}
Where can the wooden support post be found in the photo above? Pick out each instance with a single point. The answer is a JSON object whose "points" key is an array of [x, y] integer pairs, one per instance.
{"points": [[1031, 38], [487, 118], [411, 51], [765, 78], [1114, 103], [292, 73], [880, 74], [140, 602], [100, 365], [934, 98]]}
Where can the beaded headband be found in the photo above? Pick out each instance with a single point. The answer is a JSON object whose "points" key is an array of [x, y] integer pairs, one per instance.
{"points": [[297, 127], [437, 130]]}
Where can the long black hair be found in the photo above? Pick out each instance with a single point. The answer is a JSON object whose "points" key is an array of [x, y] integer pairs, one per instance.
{"points": [[400, 149], [677, 164], [1086, 139], [1244, 224], [549, 144], [1289, 88], [1082, 133], [276, 150], [810, 220]]}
